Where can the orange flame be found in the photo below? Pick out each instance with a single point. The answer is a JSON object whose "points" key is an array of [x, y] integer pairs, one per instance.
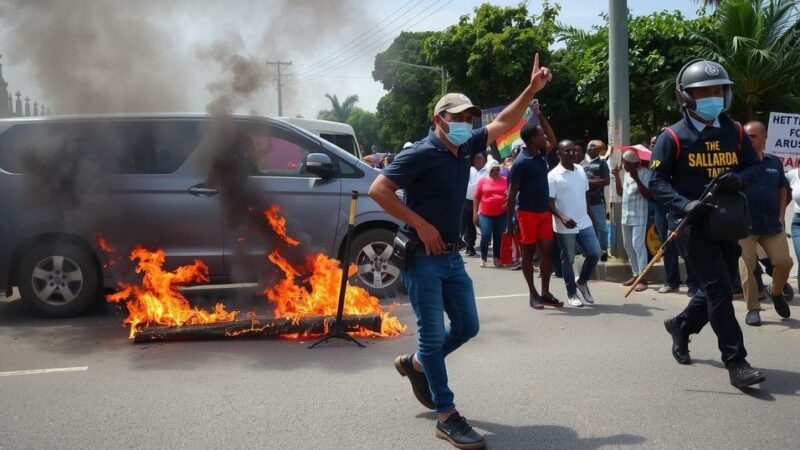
{"points": [[109, 250], [157, 301], [292, 301], [278, 224]]}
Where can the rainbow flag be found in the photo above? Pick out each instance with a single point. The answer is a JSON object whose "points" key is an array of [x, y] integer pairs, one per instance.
{"points": [[505, 140]]}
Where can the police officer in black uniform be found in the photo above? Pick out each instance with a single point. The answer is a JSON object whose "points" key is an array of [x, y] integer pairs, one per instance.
{"points": [[687, 156]]}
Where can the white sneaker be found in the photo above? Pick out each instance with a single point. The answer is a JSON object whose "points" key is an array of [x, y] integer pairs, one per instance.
{"points": [[586, 296], [575, 301]]}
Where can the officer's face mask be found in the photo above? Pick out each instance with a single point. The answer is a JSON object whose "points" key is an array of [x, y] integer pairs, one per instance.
{"points": [[709, 108]]}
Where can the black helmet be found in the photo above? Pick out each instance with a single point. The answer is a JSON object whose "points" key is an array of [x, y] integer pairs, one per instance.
{"points": [[701, 73]]}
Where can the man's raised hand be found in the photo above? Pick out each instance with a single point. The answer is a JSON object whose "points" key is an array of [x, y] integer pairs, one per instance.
{"points": [[540, 76]]}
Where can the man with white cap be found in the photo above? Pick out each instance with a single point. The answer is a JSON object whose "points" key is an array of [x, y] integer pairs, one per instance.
{"points": [[635, 197], [434, 175]]}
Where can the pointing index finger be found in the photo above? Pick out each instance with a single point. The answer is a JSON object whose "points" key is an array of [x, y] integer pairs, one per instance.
{"points": [[536, 62]]}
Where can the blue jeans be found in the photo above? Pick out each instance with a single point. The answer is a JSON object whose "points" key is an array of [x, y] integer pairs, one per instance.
{"points": [[601, 225], [437, 285], [591, 252], [492, 227], [796, 238]]}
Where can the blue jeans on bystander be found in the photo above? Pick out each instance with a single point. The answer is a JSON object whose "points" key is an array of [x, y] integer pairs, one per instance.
{"points": [[492, 227], [591, 252], [439, 285]]}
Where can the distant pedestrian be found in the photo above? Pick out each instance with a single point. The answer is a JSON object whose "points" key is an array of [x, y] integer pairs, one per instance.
{"points": [[489, 211], [599, 177], [794, 184], [635, 198], [468, 232], [569, 203]]}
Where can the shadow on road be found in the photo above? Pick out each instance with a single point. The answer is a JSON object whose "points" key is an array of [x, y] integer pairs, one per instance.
{"points": [[779, 382], [543, 436], [628, 309]]}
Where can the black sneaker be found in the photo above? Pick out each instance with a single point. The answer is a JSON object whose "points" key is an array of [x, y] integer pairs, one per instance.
{"points": [[536, 302], [781, 307], [457, 431], [419, 383], [742, 375], [471, 252], [549, 300], [604, 257]]}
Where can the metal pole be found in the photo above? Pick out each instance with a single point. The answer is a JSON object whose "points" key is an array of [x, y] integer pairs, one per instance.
{"points": [[278, 64], [280, 97], [619, 102]]}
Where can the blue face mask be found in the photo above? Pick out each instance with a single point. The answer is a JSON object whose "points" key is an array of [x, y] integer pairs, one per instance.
{"points": [[460, 132], [709, 108]]}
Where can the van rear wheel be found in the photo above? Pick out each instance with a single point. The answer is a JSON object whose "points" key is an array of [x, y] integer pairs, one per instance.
{"points": [[58, 279], [371, 253]]}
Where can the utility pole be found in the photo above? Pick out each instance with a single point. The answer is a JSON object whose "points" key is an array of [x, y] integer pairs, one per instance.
{"points": [[439, 69], [619, 102], [278, 64]]}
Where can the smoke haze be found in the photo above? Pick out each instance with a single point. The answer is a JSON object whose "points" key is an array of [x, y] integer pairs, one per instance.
{"points": [[153, 56]]}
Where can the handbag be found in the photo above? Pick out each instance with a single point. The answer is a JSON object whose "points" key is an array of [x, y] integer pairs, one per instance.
{"points": [[506, 249], [729, 220]]}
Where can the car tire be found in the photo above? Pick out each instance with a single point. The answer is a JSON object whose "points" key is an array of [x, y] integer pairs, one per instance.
{"points": [[370, 252], [59, 279]]}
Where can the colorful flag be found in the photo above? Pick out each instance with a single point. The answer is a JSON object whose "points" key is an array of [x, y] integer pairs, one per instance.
{"points": [[505, 140]]}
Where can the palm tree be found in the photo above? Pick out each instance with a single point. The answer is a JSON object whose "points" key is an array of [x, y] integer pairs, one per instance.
{"points": [[758, 42], [341, 112]]}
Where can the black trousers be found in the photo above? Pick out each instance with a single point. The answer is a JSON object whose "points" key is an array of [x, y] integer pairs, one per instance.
{"points": [[716, 265], [468, 232]]}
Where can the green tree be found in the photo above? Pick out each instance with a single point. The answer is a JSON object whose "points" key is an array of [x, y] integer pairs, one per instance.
{"points": [[489, 56], [339, 112], [366, 126], [659, 45], [404, 113], [758, 42]]}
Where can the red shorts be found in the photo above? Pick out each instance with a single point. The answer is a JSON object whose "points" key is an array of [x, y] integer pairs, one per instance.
{"points": [[534, 226]]}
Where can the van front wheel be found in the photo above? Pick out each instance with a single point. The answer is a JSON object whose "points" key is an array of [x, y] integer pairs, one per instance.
{"points": [[371, 253], [58, 279]]}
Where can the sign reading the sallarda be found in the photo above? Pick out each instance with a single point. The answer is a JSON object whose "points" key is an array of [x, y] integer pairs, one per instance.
{"points": [[783, 138]]}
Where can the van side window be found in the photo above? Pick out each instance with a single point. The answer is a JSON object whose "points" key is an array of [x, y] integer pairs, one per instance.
{"points": [[128, 147], [153, 147], [275, 152], [343, 141]]}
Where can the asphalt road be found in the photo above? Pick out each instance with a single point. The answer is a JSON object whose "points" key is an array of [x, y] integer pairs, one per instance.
{"points": [[585, 378]]}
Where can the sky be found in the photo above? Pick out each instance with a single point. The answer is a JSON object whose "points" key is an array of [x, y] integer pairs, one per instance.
{"points": [[331, 50]]}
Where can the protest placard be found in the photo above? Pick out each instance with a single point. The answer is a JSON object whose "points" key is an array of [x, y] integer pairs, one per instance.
{"points": [[783, 138]]}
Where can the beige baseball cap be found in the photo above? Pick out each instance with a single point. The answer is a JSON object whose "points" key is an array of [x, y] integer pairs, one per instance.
{"points": [[455, 103]]}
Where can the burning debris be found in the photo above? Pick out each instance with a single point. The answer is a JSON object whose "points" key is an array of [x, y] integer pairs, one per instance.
{"points": [[304, 302]]}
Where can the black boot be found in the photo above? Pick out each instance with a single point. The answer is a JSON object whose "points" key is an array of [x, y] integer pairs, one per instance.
{"points": [[742, 375], [680, 341]]}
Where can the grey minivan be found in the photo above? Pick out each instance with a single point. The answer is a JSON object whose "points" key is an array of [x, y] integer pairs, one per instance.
{"points": [[184, 183]]}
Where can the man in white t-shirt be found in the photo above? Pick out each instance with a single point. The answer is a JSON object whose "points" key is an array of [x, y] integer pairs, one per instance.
{"points": [[569, 192]]}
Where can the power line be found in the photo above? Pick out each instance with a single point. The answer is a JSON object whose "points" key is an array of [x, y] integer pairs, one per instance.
{"points": [[358, 38], [366, 51], [359, 48]]}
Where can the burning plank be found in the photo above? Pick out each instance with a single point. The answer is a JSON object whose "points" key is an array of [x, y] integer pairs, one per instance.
{"points": [[259, 326]]}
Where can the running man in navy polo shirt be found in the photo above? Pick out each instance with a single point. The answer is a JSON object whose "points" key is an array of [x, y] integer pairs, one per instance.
{"points": [[434, 175], [528, 194]]}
